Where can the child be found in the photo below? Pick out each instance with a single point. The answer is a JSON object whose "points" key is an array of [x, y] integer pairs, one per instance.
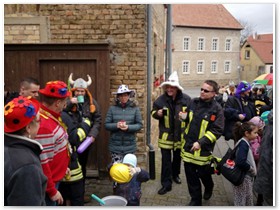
{"points": [[255, 146], [132, 189], [245, 132]]}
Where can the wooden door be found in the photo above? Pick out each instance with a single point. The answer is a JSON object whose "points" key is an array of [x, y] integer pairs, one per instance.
{"points": [[47, 62]]}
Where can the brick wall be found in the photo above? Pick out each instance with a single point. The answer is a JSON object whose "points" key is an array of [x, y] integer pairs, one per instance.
{"points": [[123, 26]]}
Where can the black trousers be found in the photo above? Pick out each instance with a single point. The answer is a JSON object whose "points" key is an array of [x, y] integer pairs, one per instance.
{"points": [[195, 173], [74, 192], [170, 166]]}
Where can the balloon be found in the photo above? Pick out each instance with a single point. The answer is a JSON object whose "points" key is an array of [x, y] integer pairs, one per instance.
{"points": [[84, 145]]}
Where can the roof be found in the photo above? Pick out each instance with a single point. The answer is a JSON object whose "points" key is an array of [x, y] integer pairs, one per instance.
{"points": [[204, 15], [262, 44]]}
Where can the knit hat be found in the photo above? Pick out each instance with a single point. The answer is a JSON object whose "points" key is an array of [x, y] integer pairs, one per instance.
{"points": [[258, 122], [19, 112], [242, 87], [55, 89], [264, 116], [123, 89], [130, 159], [80, 83], [173, 80]]}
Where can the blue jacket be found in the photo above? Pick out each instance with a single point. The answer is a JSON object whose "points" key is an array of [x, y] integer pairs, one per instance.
{"points": [[123, 142], [131, 191]]}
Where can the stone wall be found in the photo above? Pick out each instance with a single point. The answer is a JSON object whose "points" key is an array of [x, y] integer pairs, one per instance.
{"points": [[123, 26]]}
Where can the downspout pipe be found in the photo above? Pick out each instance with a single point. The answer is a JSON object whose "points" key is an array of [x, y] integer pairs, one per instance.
{"points": [[168, 40], [149, 90]]}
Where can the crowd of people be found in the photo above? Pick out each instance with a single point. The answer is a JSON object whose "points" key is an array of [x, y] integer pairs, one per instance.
{"points": [[42, 140]]}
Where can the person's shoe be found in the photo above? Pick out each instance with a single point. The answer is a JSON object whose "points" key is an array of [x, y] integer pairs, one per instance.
{"points": [[207, 194], [87, 199], [164, 190], [177, 180], [195, 203]]}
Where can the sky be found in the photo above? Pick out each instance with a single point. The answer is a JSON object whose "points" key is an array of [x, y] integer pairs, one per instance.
{"points": [[259, 16]]}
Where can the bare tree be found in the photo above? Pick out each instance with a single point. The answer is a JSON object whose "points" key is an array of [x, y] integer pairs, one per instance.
{"points": [[247, 31]]}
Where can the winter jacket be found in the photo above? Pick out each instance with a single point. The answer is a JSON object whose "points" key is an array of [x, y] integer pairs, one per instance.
{"points": [[264, 180], [244, 158], [132, 190], [73, 131], [205, 124], [233, 107], [24, 180], [80, 111], [171, 129], [123, 142]]}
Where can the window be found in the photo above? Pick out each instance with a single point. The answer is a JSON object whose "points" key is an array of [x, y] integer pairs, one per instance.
{"points": [[200, 67], [214, 67], [227, 66], [214, 44], [186, 67], [228, 44], [247, 54], [186, 43], [200, 44]]}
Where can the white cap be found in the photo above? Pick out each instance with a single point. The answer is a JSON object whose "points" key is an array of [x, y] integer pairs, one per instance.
{"points": [[173, 80], [130, 159]]}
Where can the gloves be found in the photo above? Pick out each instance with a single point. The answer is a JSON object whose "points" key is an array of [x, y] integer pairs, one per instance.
{"points": [[133, 170]]}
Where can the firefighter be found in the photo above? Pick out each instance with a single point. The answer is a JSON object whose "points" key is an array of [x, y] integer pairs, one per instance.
{"points": [[205, 124], [169, 110]]}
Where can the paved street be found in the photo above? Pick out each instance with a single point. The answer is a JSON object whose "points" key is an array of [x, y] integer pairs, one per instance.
{"points": [[179, 196]]}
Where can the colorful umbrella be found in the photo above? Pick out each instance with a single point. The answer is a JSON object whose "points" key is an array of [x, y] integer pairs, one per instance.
{"points": [[265, 79]]}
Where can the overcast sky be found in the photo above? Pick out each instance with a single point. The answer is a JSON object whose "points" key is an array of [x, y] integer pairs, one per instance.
{"points": [[258, 16]]}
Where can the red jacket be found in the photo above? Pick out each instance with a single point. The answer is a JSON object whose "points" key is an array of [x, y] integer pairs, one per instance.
{"points": [[55, 155]]}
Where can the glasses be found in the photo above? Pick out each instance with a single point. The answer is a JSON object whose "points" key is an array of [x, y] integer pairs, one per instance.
{"points": [[256, 89], [205, 91]]}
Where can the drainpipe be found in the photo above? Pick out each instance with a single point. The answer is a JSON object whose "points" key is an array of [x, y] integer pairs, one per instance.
{"points": [[168, 42], [149, 89]]}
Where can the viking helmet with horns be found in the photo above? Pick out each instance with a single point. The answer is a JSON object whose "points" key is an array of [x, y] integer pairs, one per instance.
{"points": [[79, 83]]}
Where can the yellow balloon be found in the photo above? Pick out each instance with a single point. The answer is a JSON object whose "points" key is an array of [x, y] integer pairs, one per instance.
{"points": [[120, 173]]}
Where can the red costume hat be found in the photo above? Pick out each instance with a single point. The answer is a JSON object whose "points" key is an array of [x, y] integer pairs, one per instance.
{"points": [[55, 89], [19, 112]]}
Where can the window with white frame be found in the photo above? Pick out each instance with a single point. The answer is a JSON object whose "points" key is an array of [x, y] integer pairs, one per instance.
{"points": [[228, 44], [200, 67], [214, 44], [227, 66], [200, 44], [186, 43], [247, 54], [186, 67], [214, 66]]}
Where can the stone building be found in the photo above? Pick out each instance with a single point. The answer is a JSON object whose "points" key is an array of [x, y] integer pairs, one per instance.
{"points": [[206, 44], [58, 35]]}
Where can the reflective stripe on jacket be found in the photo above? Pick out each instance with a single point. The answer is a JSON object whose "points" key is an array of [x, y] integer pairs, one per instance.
{"points": [[205, 125], [171, 129]]}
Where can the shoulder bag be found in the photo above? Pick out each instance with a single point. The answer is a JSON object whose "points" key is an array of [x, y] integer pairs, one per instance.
{"points": [[228, 168]]}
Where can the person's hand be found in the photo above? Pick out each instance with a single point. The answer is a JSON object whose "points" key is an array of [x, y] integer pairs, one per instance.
{"points": [[74, 100], [134, 170], [196, 146], [241, 116], [92, 139], [160, 112], [58, 198]]}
